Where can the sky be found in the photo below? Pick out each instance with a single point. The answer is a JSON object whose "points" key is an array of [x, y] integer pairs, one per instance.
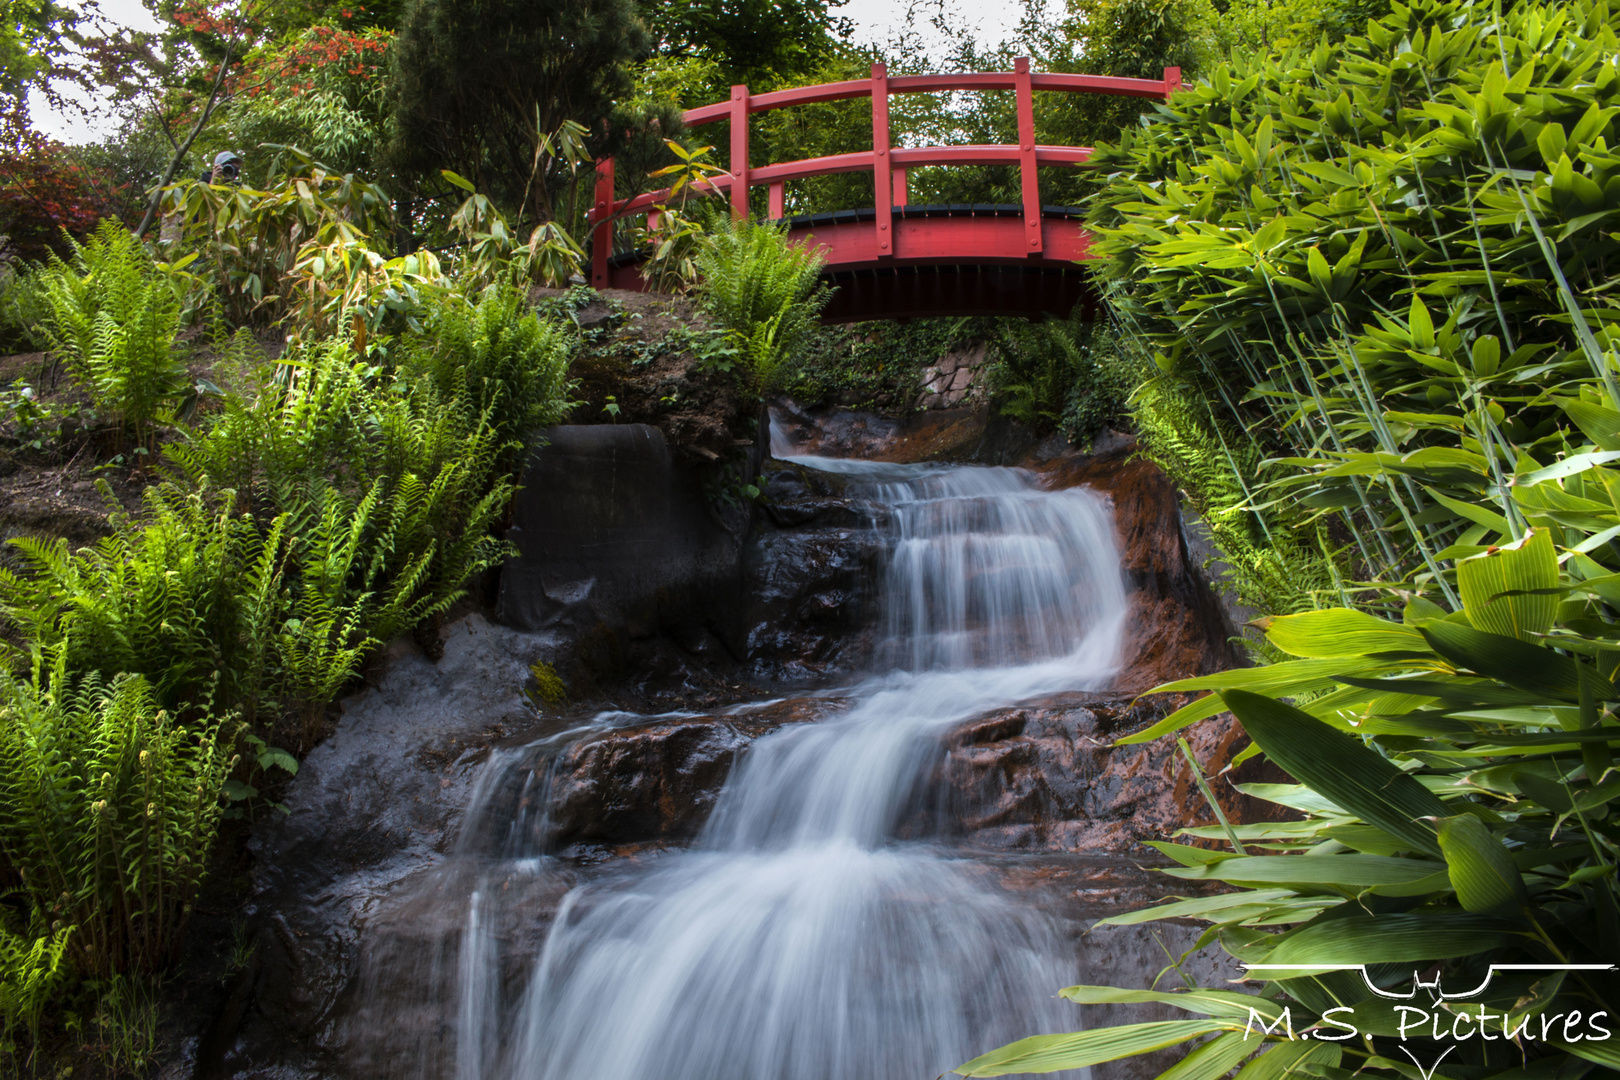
{"points": [[875, 21]]}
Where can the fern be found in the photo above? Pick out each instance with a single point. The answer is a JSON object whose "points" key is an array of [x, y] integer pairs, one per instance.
{"points": [[108, 807], [31, 974], [183, 597], [497, 355], [1275, 565], [764, 289], [113, 316]]}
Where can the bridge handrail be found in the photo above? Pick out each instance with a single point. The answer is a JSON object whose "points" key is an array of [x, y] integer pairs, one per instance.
{"points": [[889, 164]]}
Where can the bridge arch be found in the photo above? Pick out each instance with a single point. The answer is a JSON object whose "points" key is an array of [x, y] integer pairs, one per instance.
{"points": [[894, 259]]}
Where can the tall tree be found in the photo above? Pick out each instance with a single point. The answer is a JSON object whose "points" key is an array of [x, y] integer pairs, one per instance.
{"points": [[758, 42], [41, 46], [475, 82]]}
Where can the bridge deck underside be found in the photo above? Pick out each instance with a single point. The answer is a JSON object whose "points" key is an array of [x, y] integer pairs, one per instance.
{"points": [[955, 260]]}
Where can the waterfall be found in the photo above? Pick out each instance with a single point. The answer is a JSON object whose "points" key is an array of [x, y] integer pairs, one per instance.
{"points": [[798, 939]]}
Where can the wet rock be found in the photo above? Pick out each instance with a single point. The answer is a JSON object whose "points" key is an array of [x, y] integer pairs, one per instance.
{"points": [[1177, 628], [656, 782], [1048, 777], [653, 782], [941, 434], [373, 805], [808, 570], [615, 536]]}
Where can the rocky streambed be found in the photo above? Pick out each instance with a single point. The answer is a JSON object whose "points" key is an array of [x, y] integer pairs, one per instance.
{"points": [[458, 834]]}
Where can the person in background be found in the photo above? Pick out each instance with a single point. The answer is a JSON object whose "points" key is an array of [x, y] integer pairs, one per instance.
{"points": [[227, 169]]}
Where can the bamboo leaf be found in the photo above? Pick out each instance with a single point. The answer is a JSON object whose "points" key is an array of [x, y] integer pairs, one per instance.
{"points": [[1289, 1059], [1349, 872], [1481, 870], [1389, 939], [1050, 1053], [1518, 663], [1208, 1002], [1340, 767], [1484, 581], [1479, 515], [1213, 1059], [1198, 908], [1338, 632]]}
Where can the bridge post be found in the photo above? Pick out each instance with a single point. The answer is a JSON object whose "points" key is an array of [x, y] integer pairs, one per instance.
{"points": [[1172, 81], [900, 187], [739, 152], [881, 189], [602, 217], [1028, 173]]}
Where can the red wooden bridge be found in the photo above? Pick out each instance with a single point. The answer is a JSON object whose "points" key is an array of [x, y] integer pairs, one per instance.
{"points": [[895, 260]]}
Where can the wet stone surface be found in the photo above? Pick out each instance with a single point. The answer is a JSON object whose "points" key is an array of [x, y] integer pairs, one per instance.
{"points": [[809, 570]]}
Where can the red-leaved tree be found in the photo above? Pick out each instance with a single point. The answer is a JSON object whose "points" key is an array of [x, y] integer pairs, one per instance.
{"points": [[44, 192]]}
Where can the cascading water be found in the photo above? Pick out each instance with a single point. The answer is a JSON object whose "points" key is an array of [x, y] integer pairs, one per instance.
{"points": [[798, 939]]}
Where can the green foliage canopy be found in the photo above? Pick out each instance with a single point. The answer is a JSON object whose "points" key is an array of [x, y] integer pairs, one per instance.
{"points": [[476, 84]]}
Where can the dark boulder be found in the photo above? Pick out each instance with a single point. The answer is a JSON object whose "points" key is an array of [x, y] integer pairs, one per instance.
{"points": [[617, 538]]}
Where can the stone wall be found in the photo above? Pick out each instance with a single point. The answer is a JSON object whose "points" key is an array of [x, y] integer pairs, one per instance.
{"points": [[956, 379]]}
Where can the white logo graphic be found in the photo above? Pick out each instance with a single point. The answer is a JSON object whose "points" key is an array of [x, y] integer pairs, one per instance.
{"points": [[1440, 1021]]}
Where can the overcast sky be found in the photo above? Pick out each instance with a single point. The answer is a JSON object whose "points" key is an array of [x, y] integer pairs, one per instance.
{"points": [[875, 21]]}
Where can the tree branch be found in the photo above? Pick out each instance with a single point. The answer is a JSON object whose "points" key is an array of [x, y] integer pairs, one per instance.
{"points": [[180, 151]]}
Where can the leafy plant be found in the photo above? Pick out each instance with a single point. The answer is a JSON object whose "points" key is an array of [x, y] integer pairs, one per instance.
{"points": [[876, 364], [23, 308], [250, 239], [1063, 374], [184, 598], [1456, 780], [502, 358], [1319, 244], [491, 252], [113, 318], [344, 284], [678, 230], [765, 290], [108, 807]]}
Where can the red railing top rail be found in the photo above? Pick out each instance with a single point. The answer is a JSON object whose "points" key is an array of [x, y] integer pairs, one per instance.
{"points": [[888, 163], [935, 84]]}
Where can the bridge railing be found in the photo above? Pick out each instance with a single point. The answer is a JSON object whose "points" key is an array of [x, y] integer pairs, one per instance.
{"points": [[888, 163]]}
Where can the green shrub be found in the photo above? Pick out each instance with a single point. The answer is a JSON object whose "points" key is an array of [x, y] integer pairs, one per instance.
{"points": [[336, 510], [1328, 297], [108, 808], [330, 426], [874, 364], [1063, 374], [500, 357], [764, 289], [1276, 563], [23, 308], [113, 318]]}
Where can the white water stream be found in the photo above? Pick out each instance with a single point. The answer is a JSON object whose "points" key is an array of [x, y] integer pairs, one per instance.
{"points": [[798, 939]]}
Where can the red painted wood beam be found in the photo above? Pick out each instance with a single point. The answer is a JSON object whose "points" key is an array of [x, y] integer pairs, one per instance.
{"points": [[945, 240], [1028, 174], [881, 181], [910, 157], [739, 152], [931, 84]]}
